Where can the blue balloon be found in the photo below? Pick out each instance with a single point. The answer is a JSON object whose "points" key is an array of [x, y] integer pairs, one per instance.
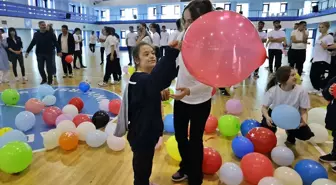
{"points": [[44, 90], [310, 170], [286, 117], [242, 146], [168, 123], [247, 125], [25, 121], [84, 86], [13, 135], [49, 100]]}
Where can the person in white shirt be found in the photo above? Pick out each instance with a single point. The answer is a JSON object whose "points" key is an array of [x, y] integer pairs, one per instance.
{"points": [[276, 39], [116, 66], [289, 52], [321, 58], [78, 52], [155, 29], [111, 44], [177, 32], [164, 40], [93, 40], [143, 35], [131, 38], [102, 39], [263, 38], [192, 105], [299, 38]]}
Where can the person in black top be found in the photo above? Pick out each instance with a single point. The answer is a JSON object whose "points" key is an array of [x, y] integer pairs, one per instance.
{"points": [[145, 91], [51, 29], [45, 44], [15, 53], [67, 43]]}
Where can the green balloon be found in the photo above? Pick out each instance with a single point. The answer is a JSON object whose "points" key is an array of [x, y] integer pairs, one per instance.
{"points": [[15, 157], [10, 96], [170, 99], [324, 107], [229, 125]]}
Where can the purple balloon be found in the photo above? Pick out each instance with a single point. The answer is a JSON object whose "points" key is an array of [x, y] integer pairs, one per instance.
{"points": [[63, 117], [234, 106]]}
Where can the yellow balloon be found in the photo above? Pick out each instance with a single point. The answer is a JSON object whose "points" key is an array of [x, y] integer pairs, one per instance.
{"points": [[131, 70], [288, 176], [172, 149], [298, 79], [4, 130]]}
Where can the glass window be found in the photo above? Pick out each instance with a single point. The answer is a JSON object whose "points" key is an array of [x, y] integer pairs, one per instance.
{"points": [[169, 11], [123, 34], [310, 33], [105, 15], [283, 7], [239, 8], [265, 7], [135, 11], [151, 13], [219, 5], [177, 9], [227, 6], [122, 13], [128, 13], [164, 10]]}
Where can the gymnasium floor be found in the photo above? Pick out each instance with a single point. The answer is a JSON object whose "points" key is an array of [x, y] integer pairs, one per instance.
{"points": [[88, 166]]}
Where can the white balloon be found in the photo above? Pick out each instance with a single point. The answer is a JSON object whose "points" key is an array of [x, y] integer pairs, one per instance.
{"points": [[49, 100], [116, 143], [317, 115], [230, 174], [84, 128], [104, 105], [324, 182], [288, 176], [269, 181], [96, 138], [320, 132], [282, 156], [70, 109], [110, 128], [50, 139], [66, 126]]}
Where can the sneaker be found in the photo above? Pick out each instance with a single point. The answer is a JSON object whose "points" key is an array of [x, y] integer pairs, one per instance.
{"points": [[178, 177], [102, 84], [70, 75], [17, 79], [333, 169], [101, 63], [329, 158], [54, 76], [224, 92], [319, 94], [256, 75], [65, 76], [115, 83], [43, 82], [75, 67], [83, 67], [24, 78]]}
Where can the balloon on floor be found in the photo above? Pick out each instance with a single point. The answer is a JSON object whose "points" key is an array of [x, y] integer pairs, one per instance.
{"points": [[212, 161], [310, 170], [228, 125], [263, 139]]}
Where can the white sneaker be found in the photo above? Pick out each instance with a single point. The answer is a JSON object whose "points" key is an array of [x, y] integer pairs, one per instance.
{"points": [[319, 94], [102, 84], [17, 79], [115, 82], [313, 91], [25, 78]]}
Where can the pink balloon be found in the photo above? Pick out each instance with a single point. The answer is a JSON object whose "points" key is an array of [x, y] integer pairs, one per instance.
{"points": [[159, 143], [50, 115], [222, 48], [125, 69], [63, 117], [234, 106], [34, 105]]}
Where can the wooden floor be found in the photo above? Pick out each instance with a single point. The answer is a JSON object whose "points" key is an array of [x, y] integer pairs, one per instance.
{"points": [[87, 166]]}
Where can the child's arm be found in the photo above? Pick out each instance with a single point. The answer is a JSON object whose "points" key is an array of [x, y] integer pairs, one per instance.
{"points": [[327, 91], [304, 116], [264, 111]]}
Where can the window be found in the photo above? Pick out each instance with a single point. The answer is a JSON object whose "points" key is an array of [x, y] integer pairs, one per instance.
{"points": [[169, 11], [72, 8], [164, 10], [177, 10], [265, 7], [274, 9], [151, 13], [283, 7], [128, 13], [122, 13], [135, 11], [79, 9], [105, 15], [239, 8], [227, 6], [243, 8]]}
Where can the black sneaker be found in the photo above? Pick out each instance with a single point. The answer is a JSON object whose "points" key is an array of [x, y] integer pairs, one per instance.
{"points": [[224, 92], [43, 82], [179, 177], [329, 158], [334, 169], [290, 141]]}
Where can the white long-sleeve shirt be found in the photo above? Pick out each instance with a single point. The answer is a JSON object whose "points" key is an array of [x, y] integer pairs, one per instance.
{"points": [[164, 39]]}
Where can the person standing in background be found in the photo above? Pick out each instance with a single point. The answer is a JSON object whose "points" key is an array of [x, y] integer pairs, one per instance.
{"points": [[299, 38], [67, 43], [3, 34], [93, 40], [102, 39], [177, 32], [45, 44], [4, 63], [164, 40], [131, 43], [51, 29], [78, 51], [15, 53], [289, 53], [263, 38], [155, 29], [276, 39]]}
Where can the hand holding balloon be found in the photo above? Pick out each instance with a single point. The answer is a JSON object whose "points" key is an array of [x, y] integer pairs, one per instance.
{"points": [[269, 121], [184, 92], [165, 95], [176, 44]]}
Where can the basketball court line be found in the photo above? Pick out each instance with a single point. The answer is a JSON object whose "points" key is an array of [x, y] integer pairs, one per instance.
{"points": [[321, 152]]}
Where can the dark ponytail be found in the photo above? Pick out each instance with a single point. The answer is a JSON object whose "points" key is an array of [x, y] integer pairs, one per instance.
{"points": [[158, 29], [281, 76], [272, 82]]}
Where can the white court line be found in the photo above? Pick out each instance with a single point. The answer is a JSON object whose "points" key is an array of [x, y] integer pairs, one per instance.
{"points": [[321, 152]]}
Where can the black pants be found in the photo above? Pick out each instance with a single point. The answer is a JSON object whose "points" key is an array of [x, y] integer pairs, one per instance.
{"points": [[277, 54], [317, 72], [298, 58], [112, 68], [332, 69], [102, 49], [78, 54], [303, 133], [142, 165], [54, 63], [14, 58], [290, 57], [67, 68], [163, 50], [92, 47], [333, 134], [191, 150], [130, 52], [157, 53], [43, 59]]}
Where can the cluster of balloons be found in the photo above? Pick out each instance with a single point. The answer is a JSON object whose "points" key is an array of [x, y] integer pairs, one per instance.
{"points": [[112, 106]]}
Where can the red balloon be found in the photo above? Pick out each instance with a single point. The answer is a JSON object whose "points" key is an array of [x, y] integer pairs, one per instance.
{"points": [[230, 45], [213, 91], [77, 102], [256, 166], [334, 91], [263, 139], [69, 59], [114, 106], [80, 118], [50, 115], [211, 124], [212, 161]]}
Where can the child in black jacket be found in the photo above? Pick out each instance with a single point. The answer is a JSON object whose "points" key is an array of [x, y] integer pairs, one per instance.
{"points": [[330, 120]]}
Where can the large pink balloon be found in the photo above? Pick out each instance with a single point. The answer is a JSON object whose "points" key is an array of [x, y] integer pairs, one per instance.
{"points": [[50, 115], [34, 105], [222, 48]]}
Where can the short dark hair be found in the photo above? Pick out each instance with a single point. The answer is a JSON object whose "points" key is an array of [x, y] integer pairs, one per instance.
{"points": [[276, 21], [12, 29], [40, 22], [77, 29], [136, 51], [109, 30], [219, 8], [92, 32], [261, 22], [302, 22], [131, 27], [65, 27], [163, 26], [2, 30], [198, 8]]}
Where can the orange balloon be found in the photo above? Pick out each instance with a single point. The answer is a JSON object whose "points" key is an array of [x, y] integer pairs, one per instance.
{"points": [[68, 141]]}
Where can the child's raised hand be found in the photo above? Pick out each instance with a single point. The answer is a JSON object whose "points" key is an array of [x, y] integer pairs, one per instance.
{"points": [[176, 44], [331, 89], [269, 121]]}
